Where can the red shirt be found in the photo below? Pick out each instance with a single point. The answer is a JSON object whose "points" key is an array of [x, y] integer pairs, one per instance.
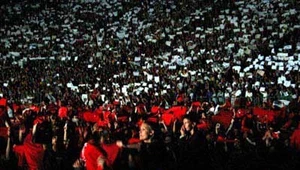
{"points": [[30, 152], [91, 156], [112, 151]]}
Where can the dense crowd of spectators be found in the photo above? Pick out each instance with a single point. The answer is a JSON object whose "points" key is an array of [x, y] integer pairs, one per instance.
{"points": [[107, 66]]}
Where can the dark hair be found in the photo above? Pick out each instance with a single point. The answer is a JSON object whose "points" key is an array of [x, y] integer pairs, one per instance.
{"points": [[96, 136], [105, 133], [191, 117]]}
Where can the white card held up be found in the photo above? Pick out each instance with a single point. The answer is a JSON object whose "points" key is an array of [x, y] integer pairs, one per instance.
{"points": [[156, 79]]}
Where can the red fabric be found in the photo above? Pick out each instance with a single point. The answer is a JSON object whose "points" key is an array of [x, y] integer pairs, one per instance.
{"points": [[35, 108], [98, 111], [155, 110], [202, 126], [264, 114], [177, 111], [224, 118], [112, 151], [3, 132], [15, 107], [20, 154], [102, 123], [223, 139], [168, 118], [134, 140], [3, 102], [90, 154], [152, 119], [116, 102], [241, 113], [39, 119], [295, 139], [63, 112], [220, 139], [180, 98], [101, 108], [30, 152], [89, 116], [139, 122], [107, 116], [123, 119], [196, 104]]}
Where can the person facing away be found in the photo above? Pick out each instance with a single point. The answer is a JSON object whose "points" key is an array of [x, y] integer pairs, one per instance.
{"points": [[93, 155]]}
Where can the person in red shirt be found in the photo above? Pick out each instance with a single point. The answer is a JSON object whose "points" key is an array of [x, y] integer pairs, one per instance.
{"points": [[99, 152], [92, 154], [227, 105], [30, 153]]}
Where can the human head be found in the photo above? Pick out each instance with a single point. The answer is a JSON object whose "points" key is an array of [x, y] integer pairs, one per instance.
{"points": [[146, 132], [105, 136], [188, 122], [54, 140]]}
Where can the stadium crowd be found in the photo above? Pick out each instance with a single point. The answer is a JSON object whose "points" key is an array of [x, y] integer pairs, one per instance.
{"points": [[150, 84]]}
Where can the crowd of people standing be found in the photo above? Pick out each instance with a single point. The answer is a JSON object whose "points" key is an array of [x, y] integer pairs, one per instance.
{"points": [[150, 84]]}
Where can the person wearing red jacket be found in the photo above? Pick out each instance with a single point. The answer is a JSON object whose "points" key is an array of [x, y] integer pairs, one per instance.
{"points": [[30, 153], [92, 154], [99, 153]]}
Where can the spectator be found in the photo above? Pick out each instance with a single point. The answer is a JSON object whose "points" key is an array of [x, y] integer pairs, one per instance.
{"points": [[192, 143], [151, 149], [93, 155], [29, 154]]}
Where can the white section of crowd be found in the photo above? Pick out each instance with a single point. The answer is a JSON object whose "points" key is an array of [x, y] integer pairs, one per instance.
{"points": [[158, 46]]}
